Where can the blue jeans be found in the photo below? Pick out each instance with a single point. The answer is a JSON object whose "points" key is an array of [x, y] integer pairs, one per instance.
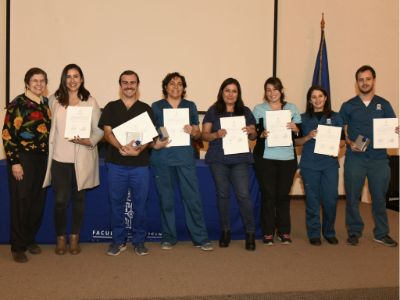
{"points": [[165, 177], [120, 180], [356, 169], [321, 188], [237, 175]]}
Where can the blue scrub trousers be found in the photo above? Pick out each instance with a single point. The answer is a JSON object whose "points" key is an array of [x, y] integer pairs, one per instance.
{"points": [[120, 180], [356, 169], [321, 188], [187, 179]]}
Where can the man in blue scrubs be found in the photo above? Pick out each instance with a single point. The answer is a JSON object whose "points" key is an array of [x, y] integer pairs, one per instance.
{"points": [[358, 114], [127, 166]]}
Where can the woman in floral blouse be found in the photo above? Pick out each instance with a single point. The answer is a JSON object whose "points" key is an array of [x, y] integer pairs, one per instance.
{"points": [[25, 139]]}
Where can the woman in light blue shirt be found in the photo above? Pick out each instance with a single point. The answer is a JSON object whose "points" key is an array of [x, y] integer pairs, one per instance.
{"points": [[275, 166]]}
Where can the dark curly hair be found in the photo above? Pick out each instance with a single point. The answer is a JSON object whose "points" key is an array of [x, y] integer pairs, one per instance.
{"points": [[167, 80]]}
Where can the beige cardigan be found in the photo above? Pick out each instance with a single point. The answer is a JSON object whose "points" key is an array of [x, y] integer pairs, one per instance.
{"points": [[86, 158]]}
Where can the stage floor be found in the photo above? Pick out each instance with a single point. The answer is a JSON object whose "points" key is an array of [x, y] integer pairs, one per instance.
{"points": [[188, 271]]}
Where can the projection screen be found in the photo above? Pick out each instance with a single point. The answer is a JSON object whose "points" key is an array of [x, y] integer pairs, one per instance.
{"points": [[207, 41]]}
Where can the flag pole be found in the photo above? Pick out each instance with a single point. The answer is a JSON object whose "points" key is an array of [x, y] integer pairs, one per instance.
{"points": [[322, 22], [321, 70], [321, 48]]}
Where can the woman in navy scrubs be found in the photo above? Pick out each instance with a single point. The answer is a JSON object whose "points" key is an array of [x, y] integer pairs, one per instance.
{"points": [[320, 173]]}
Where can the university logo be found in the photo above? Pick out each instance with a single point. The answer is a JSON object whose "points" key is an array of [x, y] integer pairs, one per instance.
{"points": [[129, 213], [105, 234]]}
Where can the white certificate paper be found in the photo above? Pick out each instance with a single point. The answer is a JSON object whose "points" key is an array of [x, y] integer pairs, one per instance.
{"points": [[78, 122], [327, 141], [141, 123], [384, 134], [276, 123], [235, 140], [174, 120]]}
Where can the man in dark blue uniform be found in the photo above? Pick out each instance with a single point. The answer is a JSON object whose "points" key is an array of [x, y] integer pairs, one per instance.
{"points": [[358, 114], [127, 166]]}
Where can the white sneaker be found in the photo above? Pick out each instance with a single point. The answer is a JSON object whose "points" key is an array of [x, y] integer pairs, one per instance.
{"points": [[206, 247], [166, 246]]}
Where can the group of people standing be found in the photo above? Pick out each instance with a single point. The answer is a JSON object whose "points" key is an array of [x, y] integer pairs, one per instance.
{"points": [[38, 156]]}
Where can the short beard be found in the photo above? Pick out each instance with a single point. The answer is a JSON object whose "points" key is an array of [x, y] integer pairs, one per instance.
{"points": [[365, 92]]}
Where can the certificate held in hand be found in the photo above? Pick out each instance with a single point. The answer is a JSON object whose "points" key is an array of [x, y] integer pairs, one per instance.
{"points": [[140, 125], [276, 123], [327, 141], [235, 140], [175, 120], [78, 122], [385, 136]]}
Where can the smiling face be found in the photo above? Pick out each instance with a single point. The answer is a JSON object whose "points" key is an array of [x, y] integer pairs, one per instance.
{"points": [[73, 80], [318, 100], [272, 94], [175, 88], [37, 84], [230, 94], [129, 85]]}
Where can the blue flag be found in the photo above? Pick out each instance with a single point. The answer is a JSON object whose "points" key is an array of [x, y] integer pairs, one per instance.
{"points": [[321, 71]]}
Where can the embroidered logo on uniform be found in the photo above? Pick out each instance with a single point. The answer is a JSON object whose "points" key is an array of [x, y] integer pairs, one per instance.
{"points": [[328, 121], [378, 106]]}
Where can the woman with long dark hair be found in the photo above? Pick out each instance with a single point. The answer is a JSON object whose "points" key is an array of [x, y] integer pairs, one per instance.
{"points": [[275, 166], [233, 168], [73, 165], [320, 173]]}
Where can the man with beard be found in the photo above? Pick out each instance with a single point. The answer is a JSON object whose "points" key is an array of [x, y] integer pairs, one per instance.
{"points": [[358, 114], [127, 166]]}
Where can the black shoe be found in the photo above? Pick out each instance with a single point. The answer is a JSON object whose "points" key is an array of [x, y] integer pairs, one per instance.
{"points": [[250, 242], [387, 241], [34, 249], [352, 240], [19, 256], [268, 239], [315, 241], [225, 238], [331, 240], [284, 238]]}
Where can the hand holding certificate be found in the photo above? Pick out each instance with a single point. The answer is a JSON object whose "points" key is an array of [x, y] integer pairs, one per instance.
{"points": [[384, 133], [140, 126], [276, 124], [78, 122], [175, 120], [327, 141], [235, 140]]}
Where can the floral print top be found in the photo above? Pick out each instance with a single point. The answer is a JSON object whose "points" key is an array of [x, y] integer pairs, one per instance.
{"points": [[26, 127]]}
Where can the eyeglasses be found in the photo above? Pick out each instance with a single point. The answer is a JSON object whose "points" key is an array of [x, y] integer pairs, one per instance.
{"points": [[37, 81]]}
